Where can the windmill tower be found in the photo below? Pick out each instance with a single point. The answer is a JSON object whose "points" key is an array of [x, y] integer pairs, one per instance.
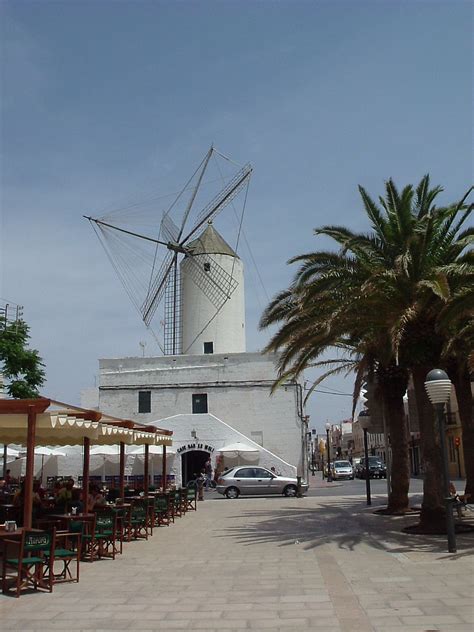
{"points": [[188, 266], [206, 329]]}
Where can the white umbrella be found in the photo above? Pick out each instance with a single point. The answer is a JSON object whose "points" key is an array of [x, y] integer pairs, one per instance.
{"points": [[154, 450], [239, 449], [44, 451], [105, 451], [12, 452], [49, 452]]}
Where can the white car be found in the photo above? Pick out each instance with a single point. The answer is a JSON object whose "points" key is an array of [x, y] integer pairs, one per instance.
{"points": [[342, 469], [256, 481]]}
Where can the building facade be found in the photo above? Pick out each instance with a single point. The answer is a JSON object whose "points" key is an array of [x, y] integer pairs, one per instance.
{"points": [[214, 393]]}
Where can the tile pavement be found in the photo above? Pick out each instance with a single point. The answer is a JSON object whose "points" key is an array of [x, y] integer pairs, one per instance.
{"points": [[267, 564]]}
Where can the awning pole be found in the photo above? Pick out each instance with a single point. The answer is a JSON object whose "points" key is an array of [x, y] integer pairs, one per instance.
{"points": [[85, 475], [147, 480], [163, 474], [30, 466], [122, 469]]}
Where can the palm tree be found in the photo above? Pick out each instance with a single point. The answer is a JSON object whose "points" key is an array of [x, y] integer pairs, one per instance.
{"points": [[328, 307], [383, 291]]}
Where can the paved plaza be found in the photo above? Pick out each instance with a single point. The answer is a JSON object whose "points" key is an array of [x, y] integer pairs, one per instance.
{"points": [[315, 563]]}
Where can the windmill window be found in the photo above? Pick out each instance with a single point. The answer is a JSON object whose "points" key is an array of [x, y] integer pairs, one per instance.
{"points": [[208, 347], [144, 401], [207, 266], [199, 403]]}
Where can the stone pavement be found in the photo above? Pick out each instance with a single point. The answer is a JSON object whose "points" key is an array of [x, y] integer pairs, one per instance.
{"points": [[267, 564]]}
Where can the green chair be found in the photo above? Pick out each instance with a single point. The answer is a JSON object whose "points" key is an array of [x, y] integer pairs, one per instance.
{"points": [[67, 550], [191, 499], [162, 515], [138, 523], [106, 533], [31, 563], [175, 501]]}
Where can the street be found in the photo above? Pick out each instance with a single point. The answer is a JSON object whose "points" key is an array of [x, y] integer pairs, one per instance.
{"points": [[321, 562], [318, 487]]}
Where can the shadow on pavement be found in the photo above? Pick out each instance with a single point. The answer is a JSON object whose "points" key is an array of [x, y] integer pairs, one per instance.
{"points": [[347, 522]]}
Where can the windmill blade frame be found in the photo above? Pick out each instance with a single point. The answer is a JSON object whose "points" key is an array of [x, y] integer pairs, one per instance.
{"points": [[210, 277], [221, 200], [164, 268]]}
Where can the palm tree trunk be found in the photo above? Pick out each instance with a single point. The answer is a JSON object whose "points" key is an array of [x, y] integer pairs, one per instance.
{"points": [[432, 509], [459, 375], [393, 385]]}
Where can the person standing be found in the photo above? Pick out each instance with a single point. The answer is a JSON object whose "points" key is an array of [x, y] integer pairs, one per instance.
{"points": [[208, 471]]}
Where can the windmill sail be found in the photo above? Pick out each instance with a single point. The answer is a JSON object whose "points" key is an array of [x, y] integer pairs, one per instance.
{"points": [[149, 267]]}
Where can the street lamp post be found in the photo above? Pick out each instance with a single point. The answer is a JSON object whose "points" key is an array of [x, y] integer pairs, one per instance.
{"points": [[438, 389], [329, 476], [364, 420]]}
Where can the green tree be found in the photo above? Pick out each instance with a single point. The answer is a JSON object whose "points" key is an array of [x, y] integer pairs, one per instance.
{"points": [[21, 366], [383, 292]]}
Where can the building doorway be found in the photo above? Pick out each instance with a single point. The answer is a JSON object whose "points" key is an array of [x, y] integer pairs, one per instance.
{"points": [[192, 463]]}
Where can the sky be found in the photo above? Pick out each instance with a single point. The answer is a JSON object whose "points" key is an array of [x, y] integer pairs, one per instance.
{"points": [[104, 101]]}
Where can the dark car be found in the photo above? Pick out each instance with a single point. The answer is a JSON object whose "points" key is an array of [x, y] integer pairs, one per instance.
{"points": [[377, 469]]}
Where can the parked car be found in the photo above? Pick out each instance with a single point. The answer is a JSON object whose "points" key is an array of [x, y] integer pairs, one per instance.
{"points": [[341, 470], [377, 469], [256, 481]]}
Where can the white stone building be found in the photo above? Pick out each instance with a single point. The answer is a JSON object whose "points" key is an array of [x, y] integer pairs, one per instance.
{"points": [[214, 393]]}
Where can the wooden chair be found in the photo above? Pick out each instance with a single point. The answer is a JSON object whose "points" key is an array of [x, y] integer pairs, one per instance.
{"points": [[191, 499], [105, 539], [175, 501], [27, 562], [138, 526], [162, 515], [67, 550]]}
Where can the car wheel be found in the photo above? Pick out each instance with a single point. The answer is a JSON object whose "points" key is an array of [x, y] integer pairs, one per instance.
{"points": [[290, 490], [232, 492], [352, 478]]}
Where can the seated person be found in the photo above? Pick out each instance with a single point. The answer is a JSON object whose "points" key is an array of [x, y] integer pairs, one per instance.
{"points": [[113, 494], [76, 502], [64, 495], [38, 489], [19, 500], [96, 498], [3, 488], [460, 500]]}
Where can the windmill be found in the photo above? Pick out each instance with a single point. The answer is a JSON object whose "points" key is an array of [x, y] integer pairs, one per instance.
{"points": [[149, 264]]}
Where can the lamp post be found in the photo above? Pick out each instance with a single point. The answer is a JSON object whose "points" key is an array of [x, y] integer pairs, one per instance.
{"points": [[438, 389], [364, 420], [329, 476]]}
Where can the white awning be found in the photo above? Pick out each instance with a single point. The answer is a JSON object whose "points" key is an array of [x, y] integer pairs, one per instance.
{"points": [[60, 429]]}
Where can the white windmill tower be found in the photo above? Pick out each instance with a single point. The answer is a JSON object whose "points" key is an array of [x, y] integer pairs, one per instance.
{"points": [[189, 265], [211, 322]]}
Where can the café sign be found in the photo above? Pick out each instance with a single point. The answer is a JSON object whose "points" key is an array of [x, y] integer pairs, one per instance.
{"points": [[195, 446]]}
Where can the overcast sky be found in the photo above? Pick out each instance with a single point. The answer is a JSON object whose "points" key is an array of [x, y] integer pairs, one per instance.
{"points": [[102, 100]]}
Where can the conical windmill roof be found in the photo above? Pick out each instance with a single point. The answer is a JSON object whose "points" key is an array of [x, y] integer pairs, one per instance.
{"points": [[212, 243]]}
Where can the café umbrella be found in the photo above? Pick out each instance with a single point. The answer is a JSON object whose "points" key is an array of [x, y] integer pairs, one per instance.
{"points": [[45, 451], [105, 451], [154, 451], [239, 450]]}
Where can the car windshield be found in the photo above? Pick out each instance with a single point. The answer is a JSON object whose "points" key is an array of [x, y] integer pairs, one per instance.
{"points": [[342, 464], [227, 472], [374, 460]]}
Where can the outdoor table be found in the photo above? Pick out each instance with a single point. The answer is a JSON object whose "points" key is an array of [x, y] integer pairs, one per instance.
{"points": [[10, 534], [69, 517]]}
